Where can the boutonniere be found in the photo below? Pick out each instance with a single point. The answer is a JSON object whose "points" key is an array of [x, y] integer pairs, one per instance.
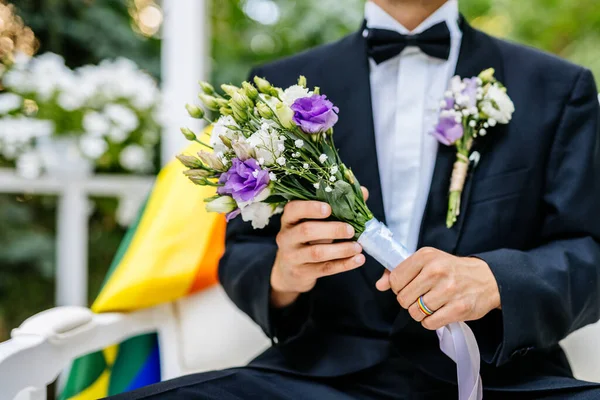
{"points": [[471, 106]]}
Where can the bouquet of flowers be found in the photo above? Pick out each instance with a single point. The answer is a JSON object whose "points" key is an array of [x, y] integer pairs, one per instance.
{"points": [[270, 146]]}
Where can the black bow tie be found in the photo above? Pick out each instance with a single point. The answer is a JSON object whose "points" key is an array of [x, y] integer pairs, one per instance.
{"points": [[384, 44]]}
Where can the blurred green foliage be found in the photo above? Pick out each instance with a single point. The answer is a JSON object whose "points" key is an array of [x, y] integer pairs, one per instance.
{"points": [[86, 31]]}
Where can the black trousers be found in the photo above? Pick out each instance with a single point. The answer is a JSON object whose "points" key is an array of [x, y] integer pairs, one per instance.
{"points": [[390, 380]]}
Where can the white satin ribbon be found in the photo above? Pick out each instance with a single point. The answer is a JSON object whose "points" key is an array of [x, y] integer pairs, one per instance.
{"points": [[456, 340]]}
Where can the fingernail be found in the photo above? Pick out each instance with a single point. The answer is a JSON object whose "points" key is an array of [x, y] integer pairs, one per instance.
{"points": [[359, 259], [350, 230], [357, 247], [324, 209]]}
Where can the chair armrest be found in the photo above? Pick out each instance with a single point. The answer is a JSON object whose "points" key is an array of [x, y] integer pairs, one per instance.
{"points": [[48, 342]]}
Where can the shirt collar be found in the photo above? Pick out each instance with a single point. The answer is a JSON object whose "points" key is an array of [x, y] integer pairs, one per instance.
{"points": [[377, 18]]}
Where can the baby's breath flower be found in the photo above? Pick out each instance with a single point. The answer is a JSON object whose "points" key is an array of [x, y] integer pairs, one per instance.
{"points": [[332, 178], [482, 132], [333, 170], [272, 176], [255, 173], [280, 147], [322, 158], [261, 161], [328, 189], [299, 143], [316, 185], [281, 161], [305, 166], [472, 124]]}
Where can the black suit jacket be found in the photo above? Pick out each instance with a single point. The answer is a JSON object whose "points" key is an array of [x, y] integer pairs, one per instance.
{"points": [[529, 209]]}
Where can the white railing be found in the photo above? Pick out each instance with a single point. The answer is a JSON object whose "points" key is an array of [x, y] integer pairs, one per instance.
{"points": [[72, 219]]}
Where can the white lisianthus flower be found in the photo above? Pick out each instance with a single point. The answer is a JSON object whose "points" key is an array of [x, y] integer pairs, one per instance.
{"points": [[285, 115], [497, 105], [223, 204], [293, 93], [258, 213], [267, 146], [221, 128], [9, 102]]}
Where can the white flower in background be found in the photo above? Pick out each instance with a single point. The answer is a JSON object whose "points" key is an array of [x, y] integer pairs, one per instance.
{"points": [[70, 102], [323, 158], [92, 146], [18, 132], [293, 93], [123, 117], [221, 128], [135, 158], [258, 213], [10, 102], [117, 135], [497, 105], [29, 165], [95, 123], [267, 145]]}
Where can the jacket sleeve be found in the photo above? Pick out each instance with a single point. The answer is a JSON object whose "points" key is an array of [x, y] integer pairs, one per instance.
{"points": [[554, 289], [245, 274]]}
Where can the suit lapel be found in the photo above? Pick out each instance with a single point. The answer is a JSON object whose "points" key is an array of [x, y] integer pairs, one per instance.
{"points": [[477, 53]]}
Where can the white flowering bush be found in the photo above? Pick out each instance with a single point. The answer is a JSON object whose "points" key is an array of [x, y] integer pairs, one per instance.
{"points": [[109, 111]]}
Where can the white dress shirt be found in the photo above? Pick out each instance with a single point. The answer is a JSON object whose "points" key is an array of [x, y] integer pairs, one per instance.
{"points": [[406, 92]]}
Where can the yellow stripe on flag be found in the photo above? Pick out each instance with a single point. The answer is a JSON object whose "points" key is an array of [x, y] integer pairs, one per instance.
{"points": [[97, 390], [175, 248]]}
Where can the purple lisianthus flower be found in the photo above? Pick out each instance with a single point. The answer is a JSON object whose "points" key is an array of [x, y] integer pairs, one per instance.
{"points": [[244, 180], [449, 105], [448, 130], [470, 91], [314, 114], [231, 215]]}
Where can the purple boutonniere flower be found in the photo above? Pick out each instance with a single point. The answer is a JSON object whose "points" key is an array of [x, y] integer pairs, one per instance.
{"points": [[448, 131], [244, 180], [314, 114]]}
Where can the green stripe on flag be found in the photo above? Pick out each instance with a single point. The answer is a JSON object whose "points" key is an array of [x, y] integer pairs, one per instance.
{"points": [[124, 245], [84, 372], [87, 369], [131, 357]]}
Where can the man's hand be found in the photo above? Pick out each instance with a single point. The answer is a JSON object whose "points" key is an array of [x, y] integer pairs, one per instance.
{"points": [[307, 252], [455, 288]]}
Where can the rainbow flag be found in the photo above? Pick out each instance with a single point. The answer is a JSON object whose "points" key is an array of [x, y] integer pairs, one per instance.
{"points": [[172, 250]]}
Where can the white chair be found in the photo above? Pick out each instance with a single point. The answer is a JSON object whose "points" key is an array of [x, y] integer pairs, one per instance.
{"points": [[202, 332]]}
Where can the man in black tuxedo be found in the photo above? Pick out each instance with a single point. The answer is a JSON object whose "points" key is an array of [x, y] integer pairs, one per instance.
{"points": [[521, 265]]}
